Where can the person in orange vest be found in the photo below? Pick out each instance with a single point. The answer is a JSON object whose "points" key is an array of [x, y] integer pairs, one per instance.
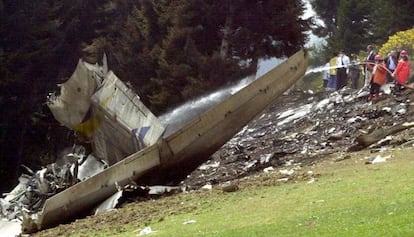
{"points": [[378, 78], [402, 72]]}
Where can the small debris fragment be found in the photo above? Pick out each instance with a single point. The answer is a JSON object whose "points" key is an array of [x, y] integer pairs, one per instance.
{"points": [[230, 187], [160, 189], [336, 136], [189, 222], [207, 187], [287, 172], [319, 201], [265, 158], [146, 231], [268, 169], [377, 159], [283, 180], [208, 166], [341, 158]]}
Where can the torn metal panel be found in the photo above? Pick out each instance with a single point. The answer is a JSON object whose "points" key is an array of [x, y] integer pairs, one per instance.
{"points": [[125, 124], [10, 228], [109, 204], [134, 190], [96, 104], [73, 102], [90, 167], [160, 189], [18, 190], [121, 103]]}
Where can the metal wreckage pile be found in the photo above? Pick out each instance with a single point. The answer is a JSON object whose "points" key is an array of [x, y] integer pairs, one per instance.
{"points": [[132, 145], [302, 127], [34, 188], [299, 127], [87, 103]]}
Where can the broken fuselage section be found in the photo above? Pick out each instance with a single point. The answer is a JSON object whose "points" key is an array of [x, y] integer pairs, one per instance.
{"points": [[101, 108], [131, 140]]}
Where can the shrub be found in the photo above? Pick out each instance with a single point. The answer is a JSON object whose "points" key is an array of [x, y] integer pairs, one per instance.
{"points": [[401, 40]]}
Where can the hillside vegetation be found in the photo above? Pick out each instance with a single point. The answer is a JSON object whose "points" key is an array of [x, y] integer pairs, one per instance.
{"points": [[329, 198]]}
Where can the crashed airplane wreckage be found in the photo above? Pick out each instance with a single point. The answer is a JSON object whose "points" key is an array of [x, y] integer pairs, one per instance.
{"points": [[129, 143]]}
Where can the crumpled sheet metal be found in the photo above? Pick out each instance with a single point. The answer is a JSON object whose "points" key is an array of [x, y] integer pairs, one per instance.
{"points": [[10, 228], [28, 197], [134, 190], [90, 167], [109, 204], [72, 104], [31, 193], [33, 190]]}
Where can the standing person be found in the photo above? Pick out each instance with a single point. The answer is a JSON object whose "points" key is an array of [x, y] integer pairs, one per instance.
{"points": [[326, 74], [378, 78], [354, 71], [342, 64], [332, 72], [402, 71], [391, 62], [369, 64]]}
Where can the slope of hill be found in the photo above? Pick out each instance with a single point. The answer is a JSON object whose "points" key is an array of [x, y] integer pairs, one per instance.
{"points": [[303, 128], [300, 130]]}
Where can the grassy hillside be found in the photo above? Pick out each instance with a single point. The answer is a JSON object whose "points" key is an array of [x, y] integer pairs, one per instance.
{"points": [[330, 198]]}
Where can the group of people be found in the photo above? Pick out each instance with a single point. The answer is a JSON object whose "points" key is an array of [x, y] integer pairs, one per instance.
{"points": [[377, 71], [394, 68], [339, 69]]}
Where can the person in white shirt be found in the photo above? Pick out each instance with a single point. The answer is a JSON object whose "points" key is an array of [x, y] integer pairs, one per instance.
{"points": [[326, 75], [342, 71]]}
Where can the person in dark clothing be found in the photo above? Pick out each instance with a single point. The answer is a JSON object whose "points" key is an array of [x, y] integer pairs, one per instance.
{"points": [[391, 62], [369, 64], [354, 71], [342, 71]]}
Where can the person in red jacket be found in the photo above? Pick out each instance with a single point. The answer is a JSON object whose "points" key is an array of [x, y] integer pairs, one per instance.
{"points": [[378, 78], [402, 71]]}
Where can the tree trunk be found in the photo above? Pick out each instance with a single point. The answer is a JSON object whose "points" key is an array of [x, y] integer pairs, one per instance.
{"points": [[224, 48]]}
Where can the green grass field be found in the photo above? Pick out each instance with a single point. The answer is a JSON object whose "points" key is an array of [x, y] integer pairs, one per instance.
{"points": [[350, 198]]}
